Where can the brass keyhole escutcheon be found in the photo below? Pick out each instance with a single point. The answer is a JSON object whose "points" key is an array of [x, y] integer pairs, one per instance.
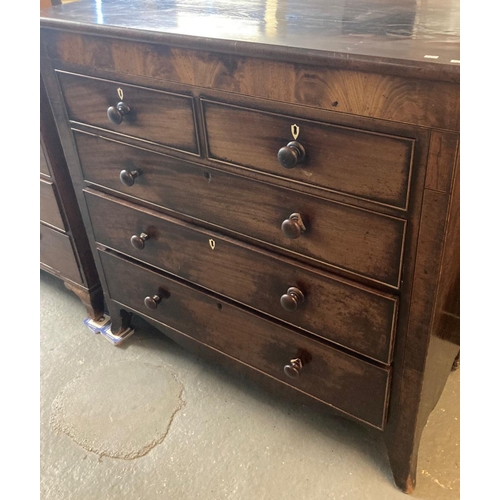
{"points": [[295, 131], [211, 242]]}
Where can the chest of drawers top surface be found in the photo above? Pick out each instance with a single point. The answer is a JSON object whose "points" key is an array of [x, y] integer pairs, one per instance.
{"points": [[416, 36]]}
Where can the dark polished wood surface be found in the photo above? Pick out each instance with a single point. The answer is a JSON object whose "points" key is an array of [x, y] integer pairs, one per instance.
{"points": [[358, 241], [50, 212], [57, 255], [154, 116], [353, 316], [419, 34], [338, 158], [378, 90]]}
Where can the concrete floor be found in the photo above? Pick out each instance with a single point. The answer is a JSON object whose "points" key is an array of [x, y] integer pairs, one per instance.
{"points": [[148, 420]]}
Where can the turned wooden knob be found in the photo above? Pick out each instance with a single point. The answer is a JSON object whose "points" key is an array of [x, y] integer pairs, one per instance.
{"points": [[292, 370], [128, 178], [138, 242], [291, 155], [116, 113], [293, 227], [152, 302], [292, 299]]}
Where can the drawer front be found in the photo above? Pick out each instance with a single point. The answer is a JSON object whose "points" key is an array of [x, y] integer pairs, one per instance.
{"points": [[368, 165], [155, 116], [49, 208], [359, 241], [44, 168], [343, 381], [333, 309], [56, 252]]}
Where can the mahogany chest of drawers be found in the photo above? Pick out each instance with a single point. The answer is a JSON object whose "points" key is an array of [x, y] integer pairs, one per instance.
{"points": [[270, 197]]}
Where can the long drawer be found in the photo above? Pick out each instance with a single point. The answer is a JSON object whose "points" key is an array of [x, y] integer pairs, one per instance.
{"points": [[339, 311], [369, 165], [153, 115], [360, 241], [355, 387]]}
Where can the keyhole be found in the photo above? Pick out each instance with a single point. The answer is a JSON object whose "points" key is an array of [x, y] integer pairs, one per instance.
{"points": [[207, 176]]}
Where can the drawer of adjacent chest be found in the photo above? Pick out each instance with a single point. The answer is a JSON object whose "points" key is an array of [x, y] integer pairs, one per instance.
{"points": [[333, 309], [50, 212], [151, 115], [365, 164], [359, 241], [56, 252], [354, 386], [44, 167]]}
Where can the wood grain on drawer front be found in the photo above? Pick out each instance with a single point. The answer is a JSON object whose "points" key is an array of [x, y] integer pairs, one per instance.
{"points": [[372, 166], [351, 385], [155, 116], [49, 208], [334, 309], [56, 252], [359, 241]]}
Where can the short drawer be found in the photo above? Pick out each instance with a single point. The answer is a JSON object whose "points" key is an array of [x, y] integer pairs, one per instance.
{"points": [[355, 387], [360, 163], [359, 241], [155, 116], [56, 253], [334, 309], [49, 208]]}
